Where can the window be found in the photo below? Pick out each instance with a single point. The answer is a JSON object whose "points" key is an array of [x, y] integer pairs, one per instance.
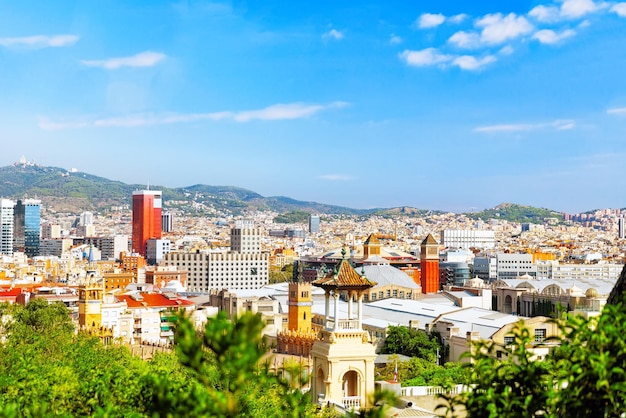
{"points": [[540, 335], [509, 339]]}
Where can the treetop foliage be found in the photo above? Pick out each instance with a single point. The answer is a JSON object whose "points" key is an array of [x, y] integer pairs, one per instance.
{"points": [[583, 377]]}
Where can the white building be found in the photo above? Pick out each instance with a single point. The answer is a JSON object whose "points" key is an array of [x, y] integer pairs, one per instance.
{"points": [[86, 218], [243, 267], [156, 250], [110, 247], [601, 271], [6, 226], [468, 238], [510, 266]]}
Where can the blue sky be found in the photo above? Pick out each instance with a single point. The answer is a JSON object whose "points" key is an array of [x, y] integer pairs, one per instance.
{"points": [[451, 105]]}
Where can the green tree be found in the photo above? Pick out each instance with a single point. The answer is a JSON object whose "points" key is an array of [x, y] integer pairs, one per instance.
{"points": [[583, 377], [411, 342]]}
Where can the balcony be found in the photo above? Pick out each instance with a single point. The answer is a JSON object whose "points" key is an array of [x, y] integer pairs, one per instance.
{"points": [[344, 324], [351, 403]]}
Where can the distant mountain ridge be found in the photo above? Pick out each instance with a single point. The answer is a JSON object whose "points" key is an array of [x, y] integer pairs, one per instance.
{"points": [[73, 192]]}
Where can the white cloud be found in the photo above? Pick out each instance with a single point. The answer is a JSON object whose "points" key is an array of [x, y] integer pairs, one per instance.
{"points": [[464, 39], [336, 177], [620, 9], [547, 36], [498, 28], [333, 34], [559, 124], [458, 18], [545, 13], [468, 62], [617, 111], [429, 20], [40, 41], [577, 8], [395, 40], [143, 59], [424, 57], [287, 111], [506, 50]]}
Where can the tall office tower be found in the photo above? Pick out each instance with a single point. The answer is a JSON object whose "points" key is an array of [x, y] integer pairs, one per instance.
{"points": [[147, 211], [6, 226], [314, 223], [27, 226], [621, 232], [167, 222], [429, 265]]}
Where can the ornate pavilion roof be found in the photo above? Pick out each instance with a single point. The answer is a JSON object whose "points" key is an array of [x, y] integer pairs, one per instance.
{"points": [[343, 277]]}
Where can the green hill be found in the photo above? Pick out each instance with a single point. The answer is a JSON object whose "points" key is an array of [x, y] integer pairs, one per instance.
{"points": [[517, 213], [64, 191]]}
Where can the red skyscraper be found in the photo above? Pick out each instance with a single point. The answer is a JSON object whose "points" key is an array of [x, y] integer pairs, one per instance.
{"points": [[147, 209]]}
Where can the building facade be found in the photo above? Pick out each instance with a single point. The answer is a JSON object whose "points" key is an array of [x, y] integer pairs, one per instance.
{"points": [[167, 222], [314, 223], [429, 265], [6, 226], [243, 267], [468, 238], [27, 226], [110, 247], [147, 218], [510, 266]]}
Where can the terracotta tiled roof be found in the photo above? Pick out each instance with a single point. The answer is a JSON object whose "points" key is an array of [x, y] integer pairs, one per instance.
{"points": [[10, 292], [152, 300], [343, 277]]}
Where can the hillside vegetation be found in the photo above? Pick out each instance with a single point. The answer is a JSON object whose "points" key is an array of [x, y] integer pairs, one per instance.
{"points": [[74, 192], [517, 213]]}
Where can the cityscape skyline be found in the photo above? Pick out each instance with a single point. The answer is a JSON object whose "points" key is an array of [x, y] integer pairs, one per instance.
{"points": [[441, 105]]}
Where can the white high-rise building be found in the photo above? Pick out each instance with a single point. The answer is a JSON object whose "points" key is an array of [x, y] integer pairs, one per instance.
{"points": [[243, 267], [468, 238], [6, 226]]}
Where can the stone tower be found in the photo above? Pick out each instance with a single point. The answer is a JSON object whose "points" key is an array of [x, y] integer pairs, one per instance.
{"points": [[343, 356], [300, 307], [299, 336], [90, 296]]}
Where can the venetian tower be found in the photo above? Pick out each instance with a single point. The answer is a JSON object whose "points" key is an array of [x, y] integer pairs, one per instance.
{"points": [[90, 295], [429, 265], [299, 337], [343, 356]]}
